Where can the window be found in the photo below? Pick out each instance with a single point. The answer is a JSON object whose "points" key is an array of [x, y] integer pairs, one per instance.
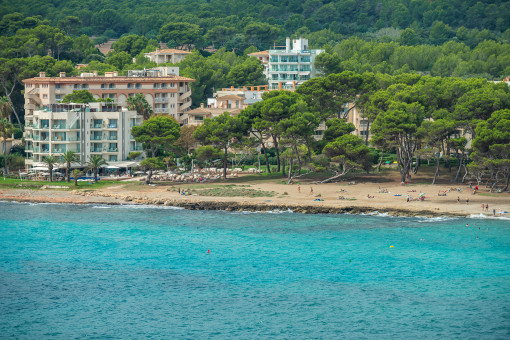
{"points": [[274, 59], [45, 96], [172, 105], [284, 59], [172, 95], [103, 86], [274, 67], [199, 117], [112, 123], [138, 86], [305, 59], [172, 84], [293, 59], [111, 86], [57, 86], [76, 86], [164, 86], [84, 86], [129, 86], [113, 158]]}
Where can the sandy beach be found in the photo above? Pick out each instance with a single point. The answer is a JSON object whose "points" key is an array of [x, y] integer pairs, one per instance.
{"points": [[358, 196]]}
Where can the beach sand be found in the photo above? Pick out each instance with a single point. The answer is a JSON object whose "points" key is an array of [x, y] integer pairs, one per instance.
{"points": [[296, 197]]}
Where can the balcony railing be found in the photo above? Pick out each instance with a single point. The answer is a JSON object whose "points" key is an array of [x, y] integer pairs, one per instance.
{"points": [[59, 127], [113, 149], [136, 148], [112, 126], [96, 137], [96, 150], [95, 126], [112, 138]]}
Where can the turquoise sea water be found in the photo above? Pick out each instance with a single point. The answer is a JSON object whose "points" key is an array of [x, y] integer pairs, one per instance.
{"points": [[130, 272]]}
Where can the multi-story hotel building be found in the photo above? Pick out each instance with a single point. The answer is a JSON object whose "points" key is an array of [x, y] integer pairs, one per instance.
{"points": [[87, 129], [288, 67], [164, 89]]}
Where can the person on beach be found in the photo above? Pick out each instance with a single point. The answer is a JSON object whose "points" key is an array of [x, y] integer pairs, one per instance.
{"points": [[467, 201], [299, 189], [493, 212], [487, 207], [458, 199], [483, 206], [311, 191]]}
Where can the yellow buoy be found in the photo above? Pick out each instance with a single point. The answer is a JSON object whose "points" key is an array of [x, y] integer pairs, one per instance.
{"points": [[391, 246]]}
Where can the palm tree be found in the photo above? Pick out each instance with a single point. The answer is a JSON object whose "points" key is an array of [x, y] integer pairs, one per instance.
{"points": [[76, 173], [50, 161], [140, 105], [95, 163], [69, 157], [5, 108], [6, 129]]}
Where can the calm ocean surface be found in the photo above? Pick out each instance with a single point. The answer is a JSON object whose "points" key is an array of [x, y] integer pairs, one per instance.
{"points": [[129, 272]]}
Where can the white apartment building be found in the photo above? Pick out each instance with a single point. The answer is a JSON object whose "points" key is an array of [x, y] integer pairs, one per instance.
{"points": [[289, 67], [164, 89], [87, 129], [167, 55]]}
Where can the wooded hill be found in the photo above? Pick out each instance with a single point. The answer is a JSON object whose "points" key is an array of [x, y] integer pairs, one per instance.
{"points": [[242, 23]]}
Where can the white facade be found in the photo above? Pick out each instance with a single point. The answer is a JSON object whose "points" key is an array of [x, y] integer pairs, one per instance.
{"points": [[92, 129], [292, 66], [167, 55]]}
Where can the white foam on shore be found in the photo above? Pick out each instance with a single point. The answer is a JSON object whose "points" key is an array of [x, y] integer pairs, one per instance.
{"points": [[482, 216], [375, 213], [425, 219]]}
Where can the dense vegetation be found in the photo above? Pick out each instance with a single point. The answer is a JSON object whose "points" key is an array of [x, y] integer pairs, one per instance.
{"points": [[243, 23], [418, 120]]}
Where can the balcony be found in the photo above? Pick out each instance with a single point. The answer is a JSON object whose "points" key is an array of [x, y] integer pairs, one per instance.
{"points": [[112, 126], [112, 138], [59, 127], [136, 148], [59, 150], [113, 150], [93, 137], [161, 100], [96, 150], [96, 126]]}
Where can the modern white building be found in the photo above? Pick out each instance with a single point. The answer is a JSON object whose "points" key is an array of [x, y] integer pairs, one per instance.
{"points": [[87, 129], [290, 66]]}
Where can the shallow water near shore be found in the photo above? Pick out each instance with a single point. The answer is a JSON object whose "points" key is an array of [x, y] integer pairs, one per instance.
{"points": [[70, 271]]}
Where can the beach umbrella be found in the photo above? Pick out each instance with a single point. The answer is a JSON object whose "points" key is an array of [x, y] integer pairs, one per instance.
{"points": [[112, 167], [40, 168]]}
